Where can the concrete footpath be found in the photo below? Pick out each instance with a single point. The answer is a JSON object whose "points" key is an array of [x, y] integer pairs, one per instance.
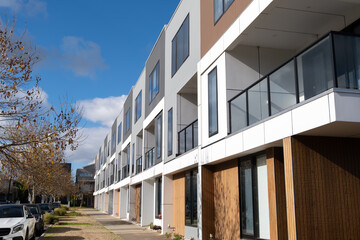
{"points": [[124, 229]]}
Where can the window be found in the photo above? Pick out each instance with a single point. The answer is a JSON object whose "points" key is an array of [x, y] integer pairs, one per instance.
{"points": [[180, 46], [128, 158], [191, 198], [127, 121], [138, 107], [220, 7], [133, 159], [158, 198], [158, 136], [113, 141], [170, 132], [154, 83], [213, 105], [254, 206], [119, 132]]}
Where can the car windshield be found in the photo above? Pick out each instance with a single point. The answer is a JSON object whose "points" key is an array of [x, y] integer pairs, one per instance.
{"points": [[33, 209], [44, 207], [11, 211]]}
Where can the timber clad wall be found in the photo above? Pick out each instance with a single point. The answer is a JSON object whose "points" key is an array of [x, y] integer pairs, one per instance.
{"points": [[179, 203], [106, 202], [211, 32], [220, 197], [326, 188], [276, 190], [137, 203], [118, 205]]}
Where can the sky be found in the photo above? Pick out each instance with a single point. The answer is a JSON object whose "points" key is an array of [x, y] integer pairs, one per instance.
{"points": [[91, 52]]}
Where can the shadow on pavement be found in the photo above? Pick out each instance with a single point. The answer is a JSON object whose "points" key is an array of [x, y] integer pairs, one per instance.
{"points": [[62, 229]]}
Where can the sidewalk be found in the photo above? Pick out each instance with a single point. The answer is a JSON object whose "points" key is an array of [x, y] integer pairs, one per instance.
{"points": [[124, 229]]}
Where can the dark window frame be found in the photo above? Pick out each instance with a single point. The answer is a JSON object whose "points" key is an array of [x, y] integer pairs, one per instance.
{"points": [[174, 58], [192, 197], [253, 159], [119, 133], [170, 132], [223, 10], [217, 103], [152, 95], [138, 107], [127, 121]]}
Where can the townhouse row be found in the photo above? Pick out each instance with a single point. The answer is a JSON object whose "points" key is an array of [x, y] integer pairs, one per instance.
{"points": [[244, 124]]}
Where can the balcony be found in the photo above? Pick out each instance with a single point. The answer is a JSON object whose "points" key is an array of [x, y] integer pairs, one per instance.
{"points": [[150, 158], [188, 138], [139, 165], [333, 61]]}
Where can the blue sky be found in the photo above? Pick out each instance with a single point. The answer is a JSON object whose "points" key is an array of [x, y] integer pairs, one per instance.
{"points": [[91, 51]]}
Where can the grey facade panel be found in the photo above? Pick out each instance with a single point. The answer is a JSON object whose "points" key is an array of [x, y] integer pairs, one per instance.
{"points": [[127, 105], [157, 55]]}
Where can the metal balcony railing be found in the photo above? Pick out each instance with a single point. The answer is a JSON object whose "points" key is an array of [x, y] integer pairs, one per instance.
{"points": [[139, 165], [333, 61], [125, 172], [188, 138], [150, 158]]}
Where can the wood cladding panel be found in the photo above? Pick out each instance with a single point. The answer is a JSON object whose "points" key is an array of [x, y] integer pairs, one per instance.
{"points": [[276, 191], [137, 202], [210, 32], [326, 175], [207, 191], [179, 203], [106, 202], [226, 201], [289, 187], [118, 203]]}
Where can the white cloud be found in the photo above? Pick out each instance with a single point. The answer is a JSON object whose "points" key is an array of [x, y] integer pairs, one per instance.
{"points": [[29, 8], [88, 149], [81, 57], [102, 110]]}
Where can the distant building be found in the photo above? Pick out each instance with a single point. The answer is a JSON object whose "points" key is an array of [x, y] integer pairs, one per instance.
{"points": [[86, 183]]}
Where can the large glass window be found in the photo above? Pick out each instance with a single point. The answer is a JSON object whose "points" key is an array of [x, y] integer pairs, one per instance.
{"points": [[191, 198], [170, 132], [138, 106], [254, 206], [213, 102], [119, 133], [158, 136], [154, 83], [158, 211], [220, 7], [127, 121], [180, 46]]}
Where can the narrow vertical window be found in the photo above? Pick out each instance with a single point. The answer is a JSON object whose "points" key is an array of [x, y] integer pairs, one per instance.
{"points": [[154, 83], [158, 136], [138, 107], [213, 102], [128, 159], [170, 132], [119, 132], [127, 121], [158, 211], [191, 198], [133, 159], [180, 46]]}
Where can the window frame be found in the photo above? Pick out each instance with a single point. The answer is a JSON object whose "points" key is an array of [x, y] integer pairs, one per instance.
{"points": [[223, 10], [152, 94], [158, 142], [119, 133], [127, 121], [192, 197], [254, 185], [138, 108], [170, 132], [217, 103], [175, 38]]}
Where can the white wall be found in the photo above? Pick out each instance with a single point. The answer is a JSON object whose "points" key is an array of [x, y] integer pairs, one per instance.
{"points": [[147, 208]]}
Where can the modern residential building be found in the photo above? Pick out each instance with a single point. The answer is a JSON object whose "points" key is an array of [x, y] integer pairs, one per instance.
{"points": [[244, 124], [86, 184]]}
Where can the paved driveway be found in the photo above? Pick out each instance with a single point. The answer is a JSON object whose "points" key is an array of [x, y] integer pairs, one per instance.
{"points": [[124, 229]]}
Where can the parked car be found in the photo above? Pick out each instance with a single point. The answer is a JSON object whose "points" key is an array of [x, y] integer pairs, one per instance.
{"points": [[55, 205], [37, 213], [46, 207], [16, 222]]}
